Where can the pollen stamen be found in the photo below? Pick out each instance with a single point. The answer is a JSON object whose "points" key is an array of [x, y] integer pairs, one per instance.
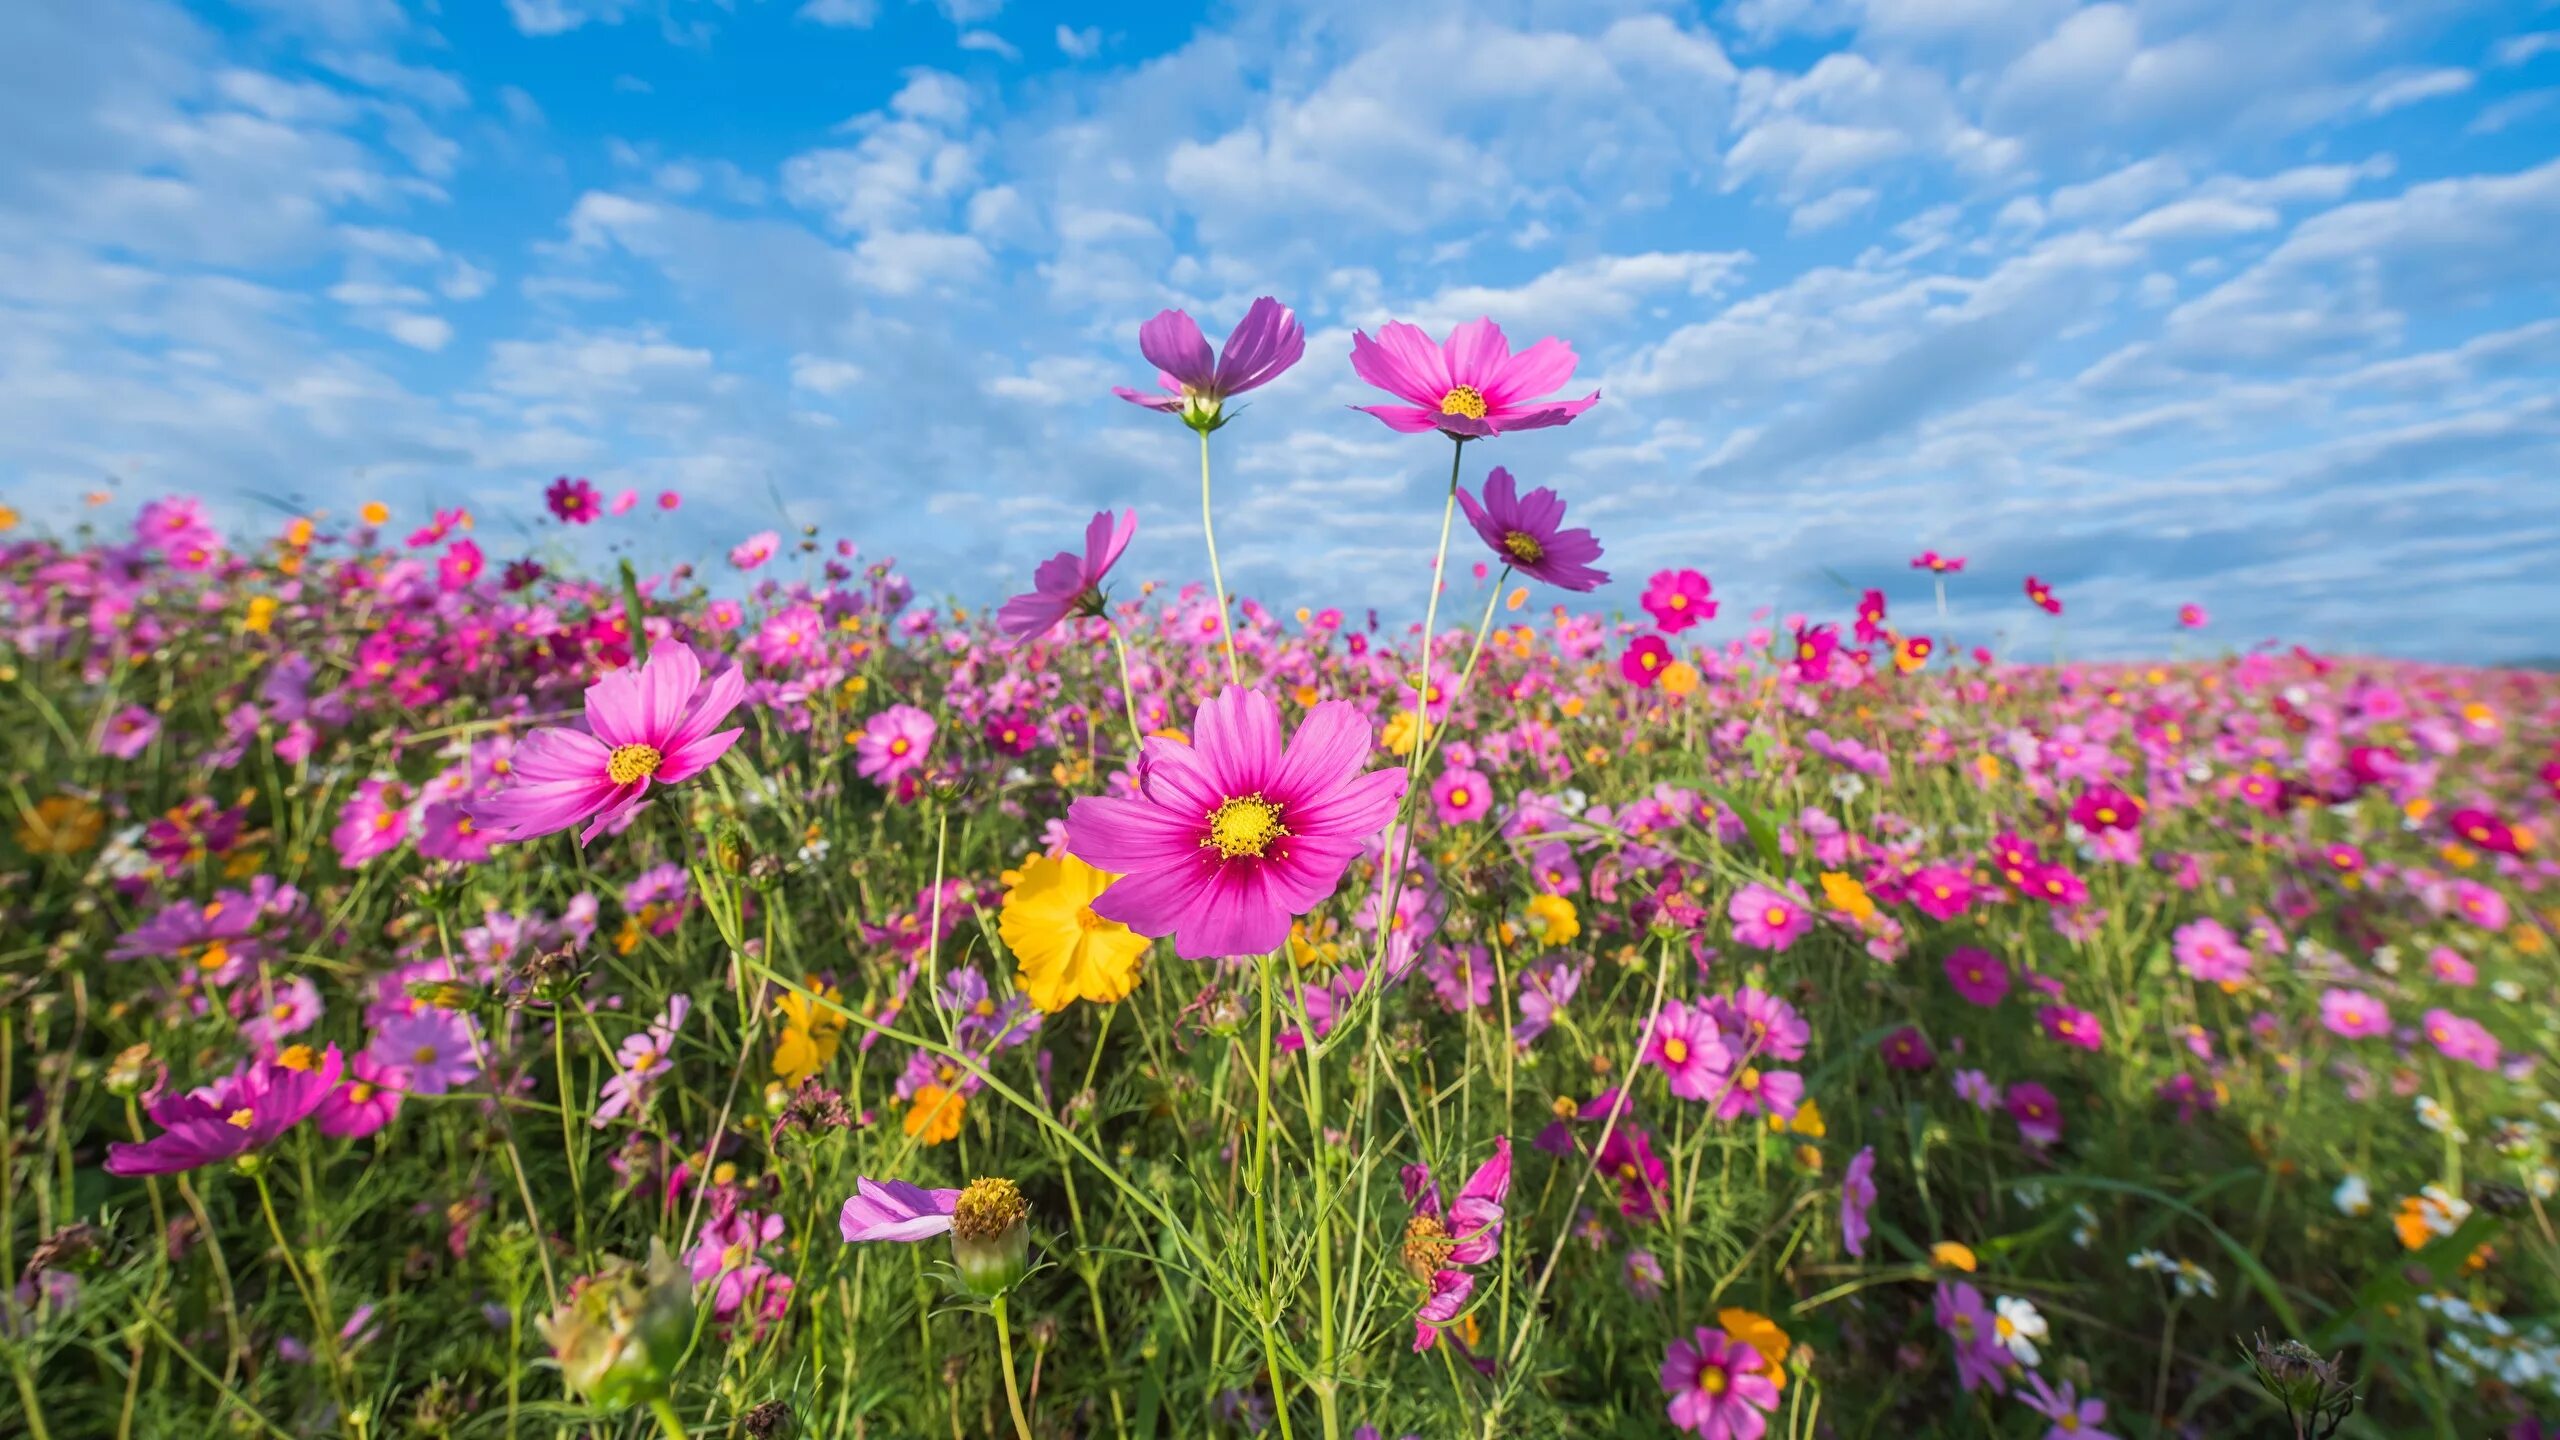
{"points": [[633, 762], [1464, 400], [1244, 826]]}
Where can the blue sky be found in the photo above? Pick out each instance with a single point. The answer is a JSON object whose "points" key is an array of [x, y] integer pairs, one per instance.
{"points": [[2253, 304]]}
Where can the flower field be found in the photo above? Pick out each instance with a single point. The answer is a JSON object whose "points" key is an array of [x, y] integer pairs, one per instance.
{"points": [[461, 993]]}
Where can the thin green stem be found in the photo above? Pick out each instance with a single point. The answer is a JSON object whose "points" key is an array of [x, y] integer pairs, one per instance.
{"points": [[1218, 580], [1012, 1387]]}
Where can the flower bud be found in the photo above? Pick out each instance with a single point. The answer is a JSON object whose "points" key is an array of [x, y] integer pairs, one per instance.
{"points": [[990, 1241], [130, 1071], [622, 1331]]}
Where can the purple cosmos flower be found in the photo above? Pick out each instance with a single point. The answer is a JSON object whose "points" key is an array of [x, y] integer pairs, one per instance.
{"points": [[895, 1210], [1978, 975], [572, 499], [1266, 342], [1527, 533], [2354, 1015], [894, 744], [1471, 386], [1718, 1386], [432, 1048], [235, 1116], [1066, 584], [646, 725], [1689, 1047], [641, 1059], [1231, 836], [1980, 1357], [1857, 1197], [1438, 1243], [2073, 1418]]}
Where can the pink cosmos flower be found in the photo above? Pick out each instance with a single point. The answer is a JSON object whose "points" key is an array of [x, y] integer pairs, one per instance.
{"points": [[646, 725], [366, 1103], [1678, 599], [1462, 795], [895, 1210], [1439, 1245], [1231, 836], [2461, 1038], [756, 549], [790, 638], [2450, 968], [232, 1117], [1908, 1049], [1978, 975], [2193, 617], [1689, 1047], [1265, 343], [1645, 660], [1527, 533], [2354, 1015], [639, 1061], [1857, 1197], [1814, 650], [129, 732], [2041, 595], [1067, 584], [1719, 1387], [1941, 892], [2105, 807], [1931, 560], [623, 502], [668, 499], [2208, 952], [372, 823], [1766, 920], [1469, 387], [2480, 905], [2072, 1026], [894, 743], [460, 564]]}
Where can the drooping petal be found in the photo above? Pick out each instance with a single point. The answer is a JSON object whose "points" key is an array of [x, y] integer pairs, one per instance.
{"points": [[1030, 616], [1403, 418], [1544, 417], [895, 1210], [1167, 403]]}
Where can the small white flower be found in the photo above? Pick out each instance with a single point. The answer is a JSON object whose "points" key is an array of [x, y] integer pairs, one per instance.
{"points": [[2194, 1279], [2018, 1326], [2151, 1260], [2507, 990], [2353, 1196]]}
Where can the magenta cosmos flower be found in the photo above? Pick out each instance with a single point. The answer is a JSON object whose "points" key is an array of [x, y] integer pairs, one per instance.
{"points": [[1471, 386], [235, 1116], [1688, 1047], [1765, 919], [1857, 1197], [1439, 1241], [1266, 342], [646, 725], [1067, 583], [1231, 836], [895, 1210], [1718, 1387], [894, 744], [2354, 1015], [572, 499], [1527, 533], [1678, 599]]}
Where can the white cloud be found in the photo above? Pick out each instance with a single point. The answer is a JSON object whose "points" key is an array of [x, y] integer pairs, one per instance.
{"points": [[824, 375], [2406, 90], [1081, 44]]}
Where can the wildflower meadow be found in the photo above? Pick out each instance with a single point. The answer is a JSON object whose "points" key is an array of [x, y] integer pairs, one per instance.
{"points": [[455, 989]]}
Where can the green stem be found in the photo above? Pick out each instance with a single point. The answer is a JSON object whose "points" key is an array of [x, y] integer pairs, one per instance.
{"points": [[668, 1420], [1012, 1387], [1128, 691], [1218, 581]]}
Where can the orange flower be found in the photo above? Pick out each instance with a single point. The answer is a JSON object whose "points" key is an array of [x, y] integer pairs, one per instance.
{"points": [[934, 1115]]}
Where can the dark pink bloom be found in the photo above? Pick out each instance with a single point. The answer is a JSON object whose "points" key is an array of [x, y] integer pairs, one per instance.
{"points": [[365, 1103], [1067, 583], [1439, 1245], [646, 725], [1678, 599], [895, 1210], [1941, 892], [1527, 533], [1470, 387], [1813, 651], [572, 500], [1266, 342], [1908, 1049], [235, 1116], [1234, 834], [2072, 1026], [2038, 1114], [1645, 660], [2043, 597], [2105, 807], [1978, 975]]}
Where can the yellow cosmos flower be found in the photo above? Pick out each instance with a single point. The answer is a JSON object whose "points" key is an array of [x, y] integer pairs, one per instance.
{"points": [[1064, 951], [262, 615], [810, 1033], [1843, 892], [1680, 678], [8, 518], [1401, 733], [1762, 1334], [934, 1115], [1554, 918], [375, 512], [1952, 1255], [60, 825]]}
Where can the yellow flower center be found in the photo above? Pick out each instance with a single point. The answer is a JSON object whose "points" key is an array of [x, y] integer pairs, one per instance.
{"points": [[1426, 1246], [242, 1118], [1244, 826], [424, 1054], [633, 762], [359, 1092], [1088, 922], [987, 1208], [216, 954], [1750, 1077], [1776, 916], [1675, 1051], [1712, 1380], [1465, 400], [297, 1057], [1524, 547], [1459, 799]]}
